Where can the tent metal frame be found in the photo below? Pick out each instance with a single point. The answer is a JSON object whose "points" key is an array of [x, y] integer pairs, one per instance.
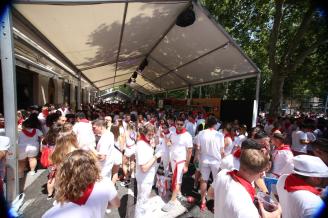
{"points": [[9, 74]]}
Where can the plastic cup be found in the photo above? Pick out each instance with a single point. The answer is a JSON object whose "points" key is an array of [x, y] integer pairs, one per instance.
{"points": [[269, 203]]}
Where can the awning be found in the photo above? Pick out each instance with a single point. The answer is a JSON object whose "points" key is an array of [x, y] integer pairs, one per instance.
{"points": [[108, 40]]}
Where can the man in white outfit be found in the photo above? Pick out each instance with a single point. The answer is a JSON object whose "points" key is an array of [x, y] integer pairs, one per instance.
{"points": [[181, 150], [298, 192], [210, 146], [104, 148]]}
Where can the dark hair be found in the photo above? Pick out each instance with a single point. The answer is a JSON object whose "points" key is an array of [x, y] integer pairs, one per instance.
{"points": [[180, 119], [99, 122], [52, 118], [80, 115], [279, 136], [32, 122], [211, 121], [250, 144], [260, 135], [50, 138]]}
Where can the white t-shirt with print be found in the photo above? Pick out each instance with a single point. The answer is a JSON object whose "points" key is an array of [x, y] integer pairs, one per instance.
{"points": [[144, 153], [180, 144], [103, 192], [231, 199], [210, 143]]}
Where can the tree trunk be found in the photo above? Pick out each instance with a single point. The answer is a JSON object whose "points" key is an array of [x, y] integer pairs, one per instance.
{"points": [[277, 85]]}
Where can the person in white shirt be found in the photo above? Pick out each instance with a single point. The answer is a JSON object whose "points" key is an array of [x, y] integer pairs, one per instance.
{"points": [[104, 148], [83, 130], [181, 150], [210, 145], [302, 138], [64, 109], [80, 190], [145, 169], [128, 160], [234, 192], [191, 125], [232, 161], [171, 122], [28, 145], [298, 193], [42, 118], [282, 156]]}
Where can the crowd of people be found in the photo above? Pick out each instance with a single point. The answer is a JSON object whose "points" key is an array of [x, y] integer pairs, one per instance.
{"points": [[278, 168]]}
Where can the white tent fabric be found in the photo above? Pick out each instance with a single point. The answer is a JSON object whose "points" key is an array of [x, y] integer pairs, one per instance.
{"points": [[108, 40]]}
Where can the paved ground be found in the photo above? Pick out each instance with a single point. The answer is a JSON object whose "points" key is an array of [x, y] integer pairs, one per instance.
{"points": [[36, 204]]}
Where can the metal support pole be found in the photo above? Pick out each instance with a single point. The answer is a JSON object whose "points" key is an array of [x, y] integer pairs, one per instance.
{"points": [[166, 94], [200, 92], [79, 92], [256, 102], [10, 98]]}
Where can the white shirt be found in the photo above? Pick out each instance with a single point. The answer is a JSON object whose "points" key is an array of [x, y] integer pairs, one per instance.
{"points": [[230, 162], [191, 127], [105, 146], [180, 144], [84, 134], [42, 120], [103, 192], [299, 203], [210, 143], [144, 153], [24, 140], [296, 144], [231, 200], [282, 161]]}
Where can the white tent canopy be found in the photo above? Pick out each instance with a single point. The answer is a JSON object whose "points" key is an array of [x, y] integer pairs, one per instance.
{"points": [[108, 40]]}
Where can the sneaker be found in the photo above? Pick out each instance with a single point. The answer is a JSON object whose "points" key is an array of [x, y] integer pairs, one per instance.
{"points": [[31, 173], [169, 206], [125, 183]]}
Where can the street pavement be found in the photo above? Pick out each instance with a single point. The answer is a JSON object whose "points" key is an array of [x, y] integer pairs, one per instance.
{"points": [[36, 203]]}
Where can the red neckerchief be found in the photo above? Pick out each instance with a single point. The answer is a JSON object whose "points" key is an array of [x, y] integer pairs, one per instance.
{"points": [[193, 121], [246, 184], [84, 120], [29, 134], [143, 138], [20, 121], [283, 147], [86, 194], [228, 135], [237, 153], [293, 183], [183, 130], [45, 112]]}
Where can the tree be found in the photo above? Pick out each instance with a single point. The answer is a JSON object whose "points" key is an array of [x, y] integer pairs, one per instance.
{"points": [[278, 35]]}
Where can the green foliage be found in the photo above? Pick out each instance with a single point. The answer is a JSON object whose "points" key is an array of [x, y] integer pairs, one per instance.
{"points": [[298, 52]]}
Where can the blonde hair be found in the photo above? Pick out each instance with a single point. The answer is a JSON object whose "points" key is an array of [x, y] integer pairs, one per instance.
{"points": [[67, 127], [78, 170], [253, 160], [65, 143]]}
